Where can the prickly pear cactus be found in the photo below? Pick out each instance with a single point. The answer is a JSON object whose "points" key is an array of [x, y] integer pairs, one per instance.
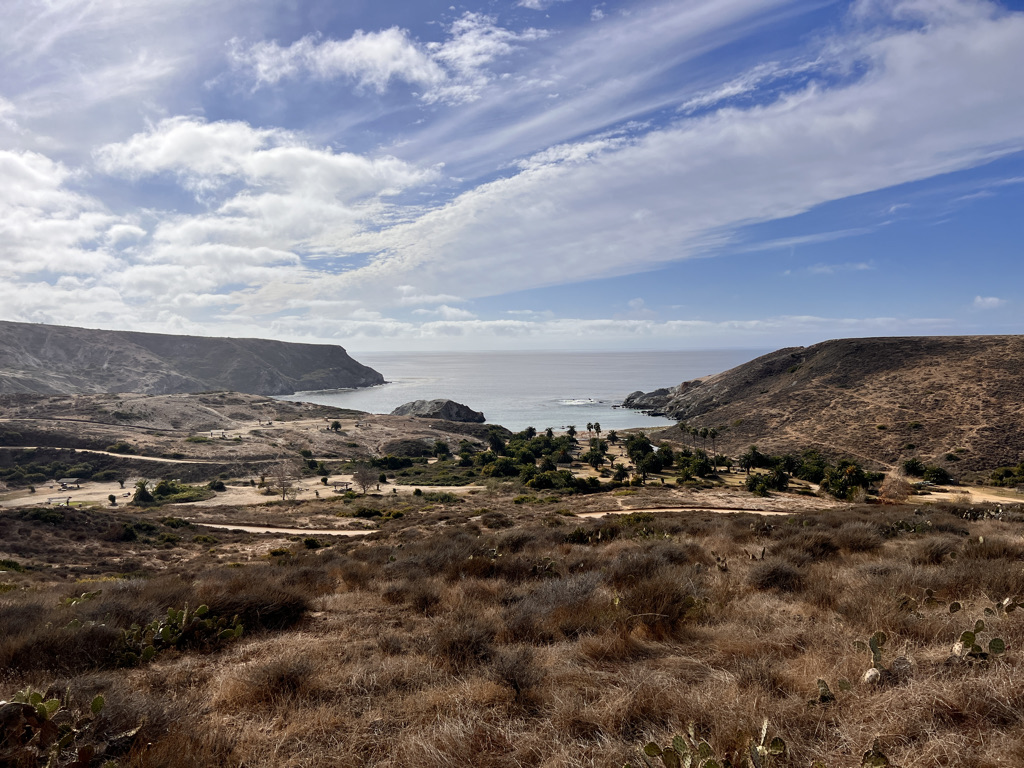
{"points": [[180, 629]]}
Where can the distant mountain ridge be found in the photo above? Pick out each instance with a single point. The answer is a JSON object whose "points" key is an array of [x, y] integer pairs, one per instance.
{"points": [[49, 359], [957, 401]]}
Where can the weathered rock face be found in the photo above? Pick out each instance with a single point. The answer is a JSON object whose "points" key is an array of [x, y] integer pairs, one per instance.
{"points": [[448, 410], [47, 359], [648, 402]]}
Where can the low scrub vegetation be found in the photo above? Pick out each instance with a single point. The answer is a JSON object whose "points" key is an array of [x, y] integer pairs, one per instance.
{"points": [[510, 635]]}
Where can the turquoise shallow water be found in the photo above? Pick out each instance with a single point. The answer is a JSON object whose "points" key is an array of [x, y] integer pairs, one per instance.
{"points": [[539, 389]]}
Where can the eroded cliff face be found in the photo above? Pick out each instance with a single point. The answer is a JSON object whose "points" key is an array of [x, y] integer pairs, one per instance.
{"points": [[880, 399], [47, 359]]}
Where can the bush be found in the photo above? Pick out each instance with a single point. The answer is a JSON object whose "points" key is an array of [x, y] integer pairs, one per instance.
{"points": [[259, 601], [859, 537], [777, 575], [462, 641], [938, 475], [807, 547]]}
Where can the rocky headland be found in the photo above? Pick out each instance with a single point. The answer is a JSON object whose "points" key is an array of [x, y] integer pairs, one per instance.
{"points": [[47, 359], [955, 401]]}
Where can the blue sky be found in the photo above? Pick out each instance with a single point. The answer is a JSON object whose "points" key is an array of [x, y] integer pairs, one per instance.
{"points": [[531, 174]]}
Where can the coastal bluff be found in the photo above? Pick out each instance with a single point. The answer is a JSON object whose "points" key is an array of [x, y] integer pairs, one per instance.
{"points": [[948, 400], [53, 360]]}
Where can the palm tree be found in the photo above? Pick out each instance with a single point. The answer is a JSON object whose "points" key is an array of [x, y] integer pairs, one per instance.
{"points": [[590, 428], [713, 433], [597, 428], [704, 438], [571, 431]]}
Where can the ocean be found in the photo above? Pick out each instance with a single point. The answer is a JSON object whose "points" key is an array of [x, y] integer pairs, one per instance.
{"points": [[538, 389]]}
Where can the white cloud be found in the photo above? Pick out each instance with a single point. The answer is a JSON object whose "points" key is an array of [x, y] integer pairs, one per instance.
{"points": [[452, 71], [208, 155], [538, 5], [831, 269], [934, 99], [278, 212], [446, 313], [44, 226], [83, 72], [372, 59], [988, 302]]}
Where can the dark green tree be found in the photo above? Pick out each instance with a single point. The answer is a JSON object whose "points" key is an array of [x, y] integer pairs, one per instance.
{"points": [[142, 494], [495, 441]]}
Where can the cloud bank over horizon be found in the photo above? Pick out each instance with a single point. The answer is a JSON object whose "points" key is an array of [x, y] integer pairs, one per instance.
{"points": [[659, 175]]}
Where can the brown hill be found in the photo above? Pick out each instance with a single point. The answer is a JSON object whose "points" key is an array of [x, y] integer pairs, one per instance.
{"points": [[954, 401], [47, 359]]}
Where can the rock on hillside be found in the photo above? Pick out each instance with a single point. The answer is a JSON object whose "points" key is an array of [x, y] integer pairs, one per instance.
{"points": [[47, 359], [956, 401], [448, 410]]}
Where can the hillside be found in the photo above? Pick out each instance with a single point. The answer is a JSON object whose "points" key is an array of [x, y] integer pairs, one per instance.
{"points": [[47, 359], [953, 401]]}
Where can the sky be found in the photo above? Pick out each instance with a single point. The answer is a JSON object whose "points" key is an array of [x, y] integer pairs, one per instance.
{"points": [[514, 174]]}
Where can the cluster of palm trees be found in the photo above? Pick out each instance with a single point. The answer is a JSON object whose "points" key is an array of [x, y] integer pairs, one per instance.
{"points": [[704, 433]]}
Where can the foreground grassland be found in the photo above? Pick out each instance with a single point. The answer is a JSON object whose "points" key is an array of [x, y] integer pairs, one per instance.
{"points": [[480, 631]]}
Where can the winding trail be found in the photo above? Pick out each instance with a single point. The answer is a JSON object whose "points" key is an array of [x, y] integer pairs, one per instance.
{"points": [[715, 510], [122, 455], [286, 531], [350, 532]]}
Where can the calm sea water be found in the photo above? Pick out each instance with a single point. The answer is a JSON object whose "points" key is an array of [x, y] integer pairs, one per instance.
{"points": [[539, 389]]}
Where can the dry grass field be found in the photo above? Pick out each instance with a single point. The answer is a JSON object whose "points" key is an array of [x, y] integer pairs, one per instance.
{"points": [[478, 631]]}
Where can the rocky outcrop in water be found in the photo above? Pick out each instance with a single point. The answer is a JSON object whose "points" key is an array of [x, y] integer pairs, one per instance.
{"points": [[447, 410], [51, 360]]}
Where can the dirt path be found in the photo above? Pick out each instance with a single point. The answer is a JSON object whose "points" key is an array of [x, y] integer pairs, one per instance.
{"points": [[715, 510], [98, 423], [127, 455], [285, 531]]}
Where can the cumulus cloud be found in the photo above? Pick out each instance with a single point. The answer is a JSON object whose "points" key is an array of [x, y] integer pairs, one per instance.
{"points": [[371, 59], [44, 225], [988, 302], [452, 71], [207, 155], [278, 210]]}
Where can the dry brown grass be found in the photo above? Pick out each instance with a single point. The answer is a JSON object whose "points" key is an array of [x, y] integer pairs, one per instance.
{"points": [[451, 644]]}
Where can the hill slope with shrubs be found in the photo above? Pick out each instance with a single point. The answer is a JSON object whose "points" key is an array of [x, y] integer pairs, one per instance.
{"points": [[949, 401]]}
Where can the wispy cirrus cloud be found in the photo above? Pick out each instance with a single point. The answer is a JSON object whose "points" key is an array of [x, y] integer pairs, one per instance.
{"points": [[832, 269], [487, 161]]}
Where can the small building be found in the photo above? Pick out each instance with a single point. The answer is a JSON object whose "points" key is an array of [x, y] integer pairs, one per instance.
{"points": [[66, 482]]}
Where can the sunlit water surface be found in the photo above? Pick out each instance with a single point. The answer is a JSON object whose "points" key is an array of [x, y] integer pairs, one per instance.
{"points": [[539, 389]]}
